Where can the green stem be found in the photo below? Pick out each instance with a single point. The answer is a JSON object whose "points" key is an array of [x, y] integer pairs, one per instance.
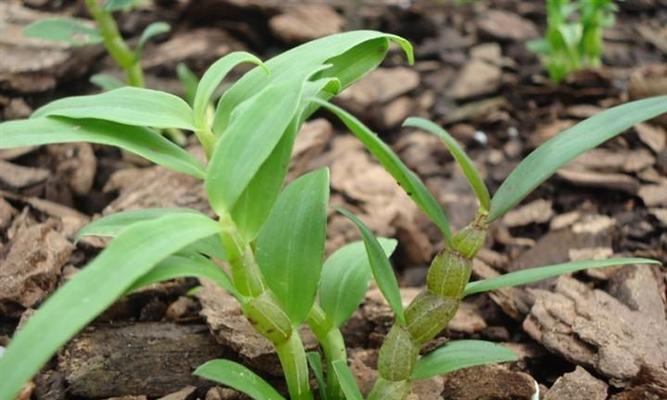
{"points": [[333, 345], [115, 45], [292, 357]]}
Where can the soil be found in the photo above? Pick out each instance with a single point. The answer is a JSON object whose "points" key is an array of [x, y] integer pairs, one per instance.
{"points": [[595, 335]]}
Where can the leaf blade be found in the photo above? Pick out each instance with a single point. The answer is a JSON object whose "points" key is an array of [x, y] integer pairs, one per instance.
{"points": [[152, 30], [238, 377], [66, 30], [347, 382]]}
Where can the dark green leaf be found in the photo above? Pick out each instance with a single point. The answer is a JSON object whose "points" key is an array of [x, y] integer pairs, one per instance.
{"points": [[461, 354], [412, 185], [380, 266], [469, 170], [152, 30], [144, 142], [106, 81], [290, 246], [558, 151], [127, 105], [347, 381], [345, 278], [531, 275], [133, 253], [66, 30], [238, 377]]}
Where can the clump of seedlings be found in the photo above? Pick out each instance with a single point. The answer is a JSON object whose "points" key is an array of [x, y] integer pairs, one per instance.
{"points": [[265, 245], [573, 39]]}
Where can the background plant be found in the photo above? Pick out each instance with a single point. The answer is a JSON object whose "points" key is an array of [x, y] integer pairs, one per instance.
{"points": [[573, 39], [271, 239]]}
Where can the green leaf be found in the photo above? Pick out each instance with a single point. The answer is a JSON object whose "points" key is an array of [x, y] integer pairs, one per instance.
{"points": [[113, 224], [176, 266], [66, 30], [347, 381], [460, 354], [558, 151], [238, 377], [152, 30], [127, 105], [116, 5], [212, 79], [290, 246], [189, 81], [380, 266], [469, 170], [255, 130], [345, 278], [531, 275], [133, 253], [315, 362], [144, 142], [412, 185], [209, 246], [106, 81]]}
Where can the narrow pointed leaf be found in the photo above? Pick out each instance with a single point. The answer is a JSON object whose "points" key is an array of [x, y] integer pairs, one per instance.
{"points": [[116, 5], [345, 278], [113, 224], [461, 354], [469, 170], [66, 30], [531, 275], [558, 151], [315, 362], [93, 289], [255, 130], [347, 381], [412, 185], [189, 80], [212, 79], [380, 266], [152, 30], [106, 81], [141, 141], [238, 377], [290, 246], [127, 105]]}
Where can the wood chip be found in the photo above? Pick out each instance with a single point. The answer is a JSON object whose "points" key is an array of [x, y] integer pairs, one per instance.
{"points": [[577, 385], [20, 177], [536, 212], [620, 182], [653, 195], [653, 136], [306, 22]]}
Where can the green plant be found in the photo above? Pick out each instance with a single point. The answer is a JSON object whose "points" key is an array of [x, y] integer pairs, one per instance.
{"points": [[573, 39], [266, 245]]}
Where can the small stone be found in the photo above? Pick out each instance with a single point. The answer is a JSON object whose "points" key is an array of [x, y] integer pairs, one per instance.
{"points": [[653, 195], [577, 385], [503, 25], [488, 52], [306, 22], [652, 136], [536, 212], [378, 87], [476, 79]]}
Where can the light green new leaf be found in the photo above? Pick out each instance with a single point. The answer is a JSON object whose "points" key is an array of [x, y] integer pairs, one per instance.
{"points": [[133, 253], [290, 246], [380, 266], [469, 170], [209, 246], [212, 79], [106, 81], [255, 130], [412, 185], [347, 381], [531, 275], [127, 105], [116, 5], [141, 141], [113, 224], [460, 354], [152, 30], [238, 377], [345, 278], [189, 81], [315, 362], [66, 30], [192, 266], [559, 150]]}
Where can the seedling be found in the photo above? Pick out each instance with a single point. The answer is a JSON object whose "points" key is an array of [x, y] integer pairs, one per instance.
{"points": [[574, 35], [266, 244]]}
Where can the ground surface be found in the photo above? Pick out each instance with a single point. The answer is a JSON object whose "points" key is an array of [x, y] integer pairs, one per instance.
{"points": [[597, 335]]}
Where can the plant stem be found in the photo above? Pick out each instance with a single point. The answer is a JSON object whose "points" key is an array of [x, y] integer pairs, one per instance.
{"points": [[333, 345], [292, 357]]}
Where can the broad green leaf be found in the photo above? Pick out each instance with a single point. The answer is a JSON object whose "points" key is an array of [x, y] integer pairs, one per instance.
{"points": [[152, 30], [209, 246], [380, 266], [113, 224], [106, 81], [127, 105], [238, 377], [461, 354], [255, 130], [531, 275], [544, 161], [290, 246], [469, 170], [345, 278], [66, 30], [133, 253], [189, 81], [212, 79], [304, 60], [193, 266], [347, 381], [412, 185], [116, 5], [144, 142], [315, 362]]}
